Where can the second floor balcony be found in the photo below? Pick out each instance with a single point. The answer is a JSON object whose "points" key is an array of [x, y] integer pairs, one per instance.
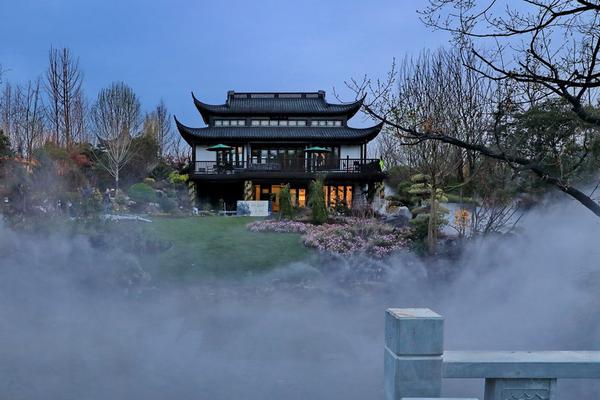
{"points": [[297, 167]]}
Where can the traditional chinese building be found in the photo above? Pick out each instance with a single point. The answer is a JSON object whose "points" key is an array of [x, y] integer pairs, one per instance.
{"points": [[257, 142]]}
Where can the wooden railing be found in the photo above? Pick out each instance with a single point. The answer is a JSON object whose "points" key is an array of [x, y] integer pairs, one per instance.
{"points": [[416, 363], [348, 165]]}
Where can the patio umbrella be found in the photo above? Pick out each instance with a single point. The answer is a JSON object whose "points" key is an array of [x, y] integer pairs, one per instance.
{"points": [[317, 149], [219, 147]]}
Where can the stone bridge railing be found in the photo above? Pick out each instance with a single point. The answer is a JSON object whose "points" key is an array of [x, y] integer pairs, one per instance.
{"points": [[416, 363]]}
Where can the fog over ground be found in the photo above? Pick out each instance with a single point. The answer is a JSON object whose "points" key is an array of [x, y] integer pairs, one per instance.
{"points": [[78, 325]]}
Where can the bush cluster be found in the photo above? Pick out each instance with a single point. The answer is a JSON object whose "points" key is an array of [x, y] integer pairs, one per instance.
{"points": [[346, 236]]}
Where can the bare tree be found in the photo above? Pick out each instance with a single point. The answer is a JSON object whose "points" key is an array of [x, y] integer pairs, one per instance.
{"points": [[66, 111], [7, 112], [28, 128], [181, 152], [550, 46], [158, 125], [116, 118], [163, 137], [80, 121]]}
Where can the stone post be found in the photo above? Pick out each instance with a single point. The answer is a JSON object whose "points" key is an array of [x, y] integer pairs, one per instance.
{"points": [[413, 353]]}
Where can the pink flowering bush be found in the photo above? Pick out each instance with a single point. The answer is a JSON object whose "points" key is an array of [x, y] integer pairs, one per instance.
{"points": [[344, 236], [283, 226], [356, 236]]}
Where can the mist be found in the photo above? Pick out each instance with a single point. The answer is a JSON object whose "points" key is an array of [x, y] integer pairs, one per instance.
{"points": [[79, 322]]}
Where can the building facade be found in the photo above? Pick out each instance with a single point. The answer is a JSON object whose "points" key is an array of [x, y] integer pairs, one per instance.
{"points": [[257, 142]]}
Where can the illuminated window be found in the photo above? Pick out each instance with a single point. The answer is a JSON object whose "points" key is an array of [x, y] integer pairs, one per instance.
{"points": [[301, 197], [337, 195]]}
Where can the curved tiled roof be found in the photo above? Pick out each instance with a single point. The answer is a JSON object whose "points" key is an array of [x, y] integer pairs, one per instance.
{"points": [[304, 104], [313, 134]]}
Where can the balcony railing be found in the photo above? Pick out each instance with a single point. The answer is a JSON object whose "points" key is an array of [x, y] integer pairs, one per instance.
{"points": [[345, 165]]}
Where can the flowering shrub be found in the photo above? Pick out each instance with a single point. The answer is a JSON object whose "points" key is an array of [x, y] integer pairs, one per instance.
{"points": [[345, 236], [278, 226], [356, 236]]}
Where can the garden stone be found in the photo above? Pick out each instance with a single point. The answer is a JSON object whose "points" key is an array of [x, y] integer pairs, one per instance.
{"points": [[398, 216]]}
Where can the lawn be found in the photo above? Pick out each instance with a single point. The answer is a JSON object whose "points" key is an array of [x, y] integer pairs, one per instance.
{"points": [[220, 246]]}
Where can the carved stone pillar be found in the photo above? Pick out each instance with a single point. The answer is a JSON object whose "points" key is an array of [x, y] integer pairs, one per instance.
{"points": [[520, 389], [248, 190], [193, 193]]}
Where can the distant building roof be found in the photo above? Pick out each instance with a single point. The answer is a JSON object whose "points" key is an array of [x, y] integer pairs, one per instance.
{"points": [[277, 103], [313, 134]]}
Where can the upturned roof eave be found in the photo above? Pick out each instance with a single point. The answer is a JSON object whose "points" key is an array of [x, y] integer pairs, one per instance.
{"points": [[201, 135], [203, 108], [342, 109]]}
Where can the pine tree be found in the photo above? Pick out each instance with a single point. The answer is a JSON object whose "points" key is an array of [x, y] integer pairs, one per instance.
{"points": [[316, 201], [286, 210]]}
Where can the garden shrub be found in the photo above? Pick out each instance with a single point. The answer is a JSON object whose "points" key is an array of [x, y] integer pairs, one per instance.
{"points": [[345, 236], [167, 204], [150, 181], [286, 210], [177, 178], [316, 201], [142, 193]]}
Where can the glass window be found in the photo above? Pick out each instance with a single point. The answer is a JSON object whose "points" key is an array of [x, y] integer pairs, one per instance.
{"points": [[322, 123], [272, 123], [255, 122], [264, 122], [301, 123], [330, 123], [349, 196], [338, 123], [218, 122], [302, 198], [292, 123], [294, 196]]}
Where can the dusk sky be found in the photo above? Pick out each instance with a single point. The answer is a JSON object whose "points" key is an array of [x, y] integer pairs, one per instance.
{"points": [[167, 48]]}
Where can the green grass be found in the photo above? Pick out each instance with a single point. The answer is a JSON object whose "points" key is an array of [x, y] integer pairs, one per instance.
{"points": [[220, 247]]}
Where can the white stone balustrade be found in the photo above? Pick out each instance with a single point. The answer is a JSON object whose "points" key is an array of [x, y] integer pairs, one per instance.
{"points": [[415, 363]]}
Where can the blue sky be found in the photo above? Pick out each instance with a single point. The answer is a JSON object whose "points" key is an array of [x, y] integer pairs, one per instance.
{"points": [[166, 48]]}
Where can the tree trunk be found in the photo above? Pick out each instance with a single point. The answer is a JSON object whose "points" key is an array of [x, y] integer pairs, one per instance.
{"points": [[432, 225]]}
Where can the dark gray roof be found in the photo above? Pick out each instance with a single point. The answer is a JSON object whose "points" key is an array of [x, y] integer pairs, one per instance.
{"points": [[313, 134], [281, 104]]}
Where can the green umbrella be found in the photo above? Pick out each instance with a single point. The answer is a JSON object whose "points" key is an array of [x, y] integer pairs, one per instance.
{"points": [[317, 149], [219, 147]]}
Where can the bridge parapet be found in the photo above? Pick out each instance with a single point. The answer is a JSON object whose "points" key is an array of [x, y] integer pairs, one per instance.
{"points": [[415, 363]]}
